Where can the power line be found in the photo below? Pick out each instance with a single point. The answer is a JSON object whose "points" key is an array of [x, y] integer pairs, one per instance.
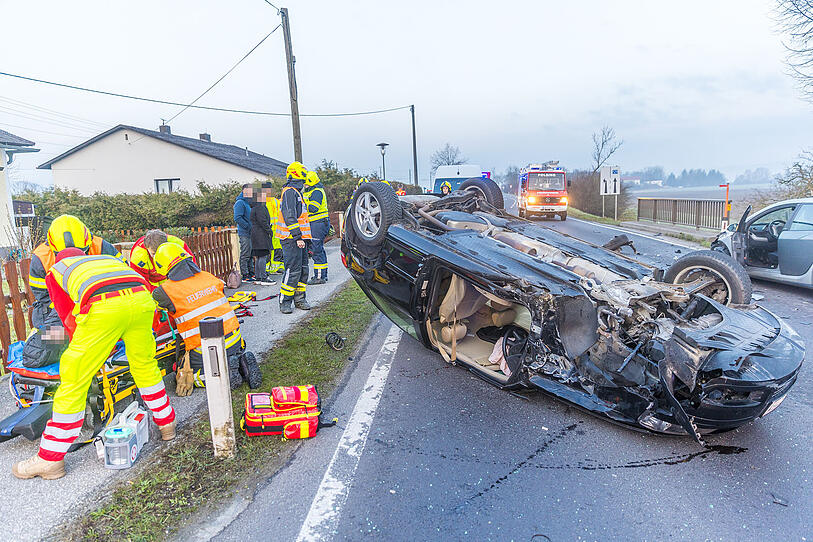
{"points": [[42, 131], [245, 56], [272, 5], [204, 107], [39, 118], [53, 112]]}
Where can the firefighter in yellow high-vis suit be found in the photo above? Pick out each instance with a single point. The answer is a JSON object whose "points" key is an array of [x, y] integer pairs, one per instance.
{"points": [[275, 264], [100, 300]]}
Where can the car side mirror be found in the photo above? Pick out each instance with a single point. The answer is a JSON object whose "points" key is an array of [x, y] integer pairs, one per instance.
{"points": [[732, 227]]}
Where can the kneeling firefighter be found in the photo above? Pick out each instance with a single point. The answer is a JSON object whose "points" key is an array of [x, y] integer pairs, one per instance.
{"points": [[100, 300], [294, 231], [316, 199], [189, 295]]}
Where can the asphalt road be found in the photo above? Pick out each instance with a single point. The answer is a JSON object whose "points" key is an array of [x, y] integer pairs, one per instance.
{"points": [[428, 451]]}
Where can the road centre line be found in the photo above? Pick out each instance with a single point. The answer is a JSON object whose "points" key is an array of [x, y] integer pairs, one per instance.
{"points": [[631, 232], [325, 511]]}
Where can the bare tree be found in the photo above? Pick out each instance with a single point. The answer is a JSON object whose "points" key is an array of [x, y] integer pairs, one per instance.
{"points": [[795, 20], [449, 155], [604, 146]]}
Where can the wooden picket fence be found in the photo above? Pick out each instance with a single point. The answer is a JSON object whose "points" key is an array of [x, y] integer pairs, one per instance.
{"points": [[20, 302], [210, 246]]}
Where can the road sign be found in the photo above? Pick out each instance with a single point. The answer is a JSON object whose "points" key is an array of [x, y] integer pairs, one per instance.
{"points": [[610, 181]]}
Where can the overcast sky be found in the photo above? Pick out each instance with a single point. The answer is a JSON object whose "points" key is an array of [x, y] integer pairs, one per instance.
{"points": [[691, 84]]}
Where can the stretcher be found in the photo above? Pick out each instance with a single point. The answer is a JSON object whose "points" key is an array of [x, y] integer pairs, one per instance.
{"points": [[33, 389]]}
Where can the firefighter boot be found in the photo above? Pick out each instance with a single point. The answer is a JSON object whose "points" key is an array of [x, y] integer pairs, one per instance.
{"points": [[36, 466], [167, 430], [301, 303], [250, 370], [235, 378], [285, 306]]}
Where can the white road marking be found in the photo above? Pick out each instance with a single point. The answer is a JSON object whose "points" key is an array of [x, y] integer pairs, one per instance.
{"points": [[325, 510], [632, 232]]}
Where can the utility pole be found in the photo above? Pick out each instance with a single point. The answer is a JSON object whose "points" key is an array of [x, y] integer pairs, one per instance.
{"points": [[290, 61], [414, 146]]}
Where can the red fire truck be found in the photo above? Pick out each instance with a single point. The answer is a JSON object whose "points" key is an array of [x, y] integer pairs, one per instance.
{"points": [[542, 190]]}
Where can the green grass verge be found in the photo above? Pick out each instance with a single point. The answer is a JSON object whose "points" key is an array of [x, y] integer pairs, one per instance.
{"points": [[185, 476], [627, 214]]}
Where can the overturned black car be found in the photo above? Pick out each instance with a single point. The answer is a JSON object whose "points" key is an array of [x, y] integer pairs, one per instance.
{"points": [[524, 306]]}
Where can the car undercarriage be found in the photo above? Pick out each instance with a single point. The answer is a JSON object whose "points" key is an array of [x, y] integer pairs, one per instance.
{"points": [[523, 306]]}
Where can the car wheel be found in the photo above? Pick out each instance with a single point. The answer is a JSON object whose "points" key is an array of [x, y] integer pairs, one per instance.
{"points": [[731, 283], [720, 247], [374, 209], [522, 213], [486, 188], [563, 216]]}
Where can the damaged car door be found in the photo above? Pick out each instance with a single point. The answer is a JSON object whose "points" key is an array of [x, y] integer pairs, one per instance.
{"points": [[392, 286]]}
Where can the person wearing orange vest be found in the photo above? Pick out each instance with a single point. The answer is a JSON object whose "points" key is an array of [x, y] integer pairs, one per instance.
{"points": [[65, 231], [143, 252], [189, 295], [294, 231], [100, 300]]}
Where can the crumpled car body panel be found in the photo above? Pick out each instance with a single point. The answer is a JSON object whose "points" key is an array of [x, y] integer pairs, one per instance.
{"points": [[603, 334]]}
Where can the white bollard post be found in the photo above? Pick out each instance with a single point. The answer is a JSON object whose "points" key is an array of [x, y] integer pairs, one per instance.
{"points": [[218, 389]]}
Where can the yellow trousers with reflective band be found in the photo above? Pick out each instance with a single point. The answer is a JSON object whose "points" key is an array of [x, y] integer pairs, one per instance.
{"points": [[127, 317]]}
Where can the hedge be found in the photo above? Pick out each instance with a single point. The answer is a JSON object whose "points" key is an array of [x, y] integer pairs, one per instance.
{"points": [[208, 206]]}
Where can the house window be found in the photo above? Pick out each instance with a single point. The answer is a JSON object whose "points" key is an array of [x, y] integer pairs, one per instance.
{"points": [[166, 186]]}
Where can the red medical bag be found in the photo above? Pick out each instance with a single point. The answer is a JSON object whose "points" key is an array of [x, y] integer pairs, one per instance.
{"points": [[291, 411]]}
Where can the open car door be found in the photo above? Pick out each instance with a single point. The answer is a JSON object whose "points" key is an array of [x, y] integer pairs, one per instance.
{"points": [[739, 241]]}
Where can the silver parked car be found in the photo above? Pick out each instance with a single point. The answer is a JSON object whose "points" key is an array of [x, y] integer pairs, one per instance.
{"points": [[775, 244]]}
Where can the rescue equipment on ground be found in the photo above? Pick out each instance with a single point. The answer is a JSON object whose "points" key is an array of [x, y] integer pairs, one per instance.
{"points": [[291, 411], [335, 341], [130, 426], [242, 298], [120, 447]]}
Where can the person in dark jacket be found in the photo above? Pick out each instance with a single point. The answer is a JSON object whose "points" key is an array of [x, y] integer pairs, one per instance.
{"points": [[242, 214], [261, 233]]}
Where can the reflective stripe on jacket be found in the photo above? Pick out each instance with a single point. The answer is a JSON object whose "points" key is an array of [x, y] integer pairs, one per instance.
{"points": [[316, 210], [273, 211], [81, 276], [283, 230], [194, 299], [47, 258]]}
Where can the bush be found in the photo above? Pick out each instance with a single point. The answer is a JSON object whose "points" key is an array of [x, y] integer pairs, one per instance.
{"points": [[583, 194], [209, 206]]}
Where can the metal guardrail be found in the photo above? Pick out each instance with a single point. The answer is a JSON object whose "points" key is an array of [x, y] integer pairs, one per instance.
{"points": [[700, 213]]}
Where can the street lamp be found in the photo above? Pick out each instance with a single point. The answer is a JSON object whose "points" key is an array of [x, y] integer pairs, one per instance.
{"points": [[383, 147]]}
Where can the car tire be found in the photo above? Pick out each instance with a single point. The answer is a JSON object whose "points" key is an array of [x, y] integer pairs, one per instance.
{"points": [[563, 216], [522, 213], [733, 277], [720, 247], [486, 187], [374, 209]]}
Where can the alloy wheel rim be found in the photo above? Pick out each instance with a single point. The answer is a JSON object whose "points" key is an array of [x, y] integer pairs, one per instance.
{"points": [[368, 215]]}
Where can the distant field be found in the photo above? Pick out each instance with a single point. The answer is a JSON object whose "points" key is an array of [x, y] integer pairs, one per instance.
{"points": [[740, 195]]}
